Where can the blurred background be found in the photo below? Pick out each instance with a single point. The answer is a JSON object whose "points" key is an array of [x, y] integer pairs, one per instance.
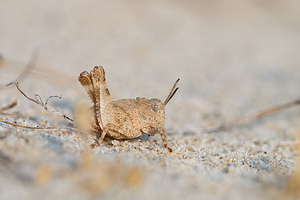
{"points": [[234, 57], [213, 46]]}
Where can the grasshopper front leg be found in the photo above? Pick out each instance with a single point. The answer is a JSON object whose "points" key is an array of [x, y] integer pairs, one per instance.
{"points": [[152, 131]]}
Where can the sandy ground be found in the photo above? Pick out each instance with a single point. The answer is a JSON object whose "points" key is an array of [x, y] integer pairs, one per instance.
{"points": [[234, 58]]}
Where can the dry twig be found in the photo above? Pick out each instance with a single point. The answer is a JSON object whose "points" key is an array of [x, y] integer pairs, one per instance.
{"points": [[288, 143], [25, 73], [9, 106], [39, 128], [261, 114], [38, 100]]}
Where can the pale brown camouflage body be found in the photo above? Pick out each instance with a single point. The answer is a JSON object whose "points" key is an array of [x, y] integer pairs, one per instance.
{"points": [[124, 118]]}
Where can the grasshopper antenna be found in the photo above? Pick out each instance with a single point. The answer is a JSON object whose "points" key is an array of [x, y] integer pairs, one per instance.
{"points": [[172, 92]]}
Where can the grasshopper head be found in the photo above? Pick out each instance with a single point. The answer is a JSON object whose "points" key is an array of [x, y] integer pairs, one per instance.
{"points": [[157, 112], [157, 108]]}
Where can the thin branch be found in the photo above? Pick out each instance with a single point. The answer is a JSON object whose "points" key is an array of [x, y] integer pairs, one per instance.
{"points": [[261, 114], [288, 143], [83, 133], [9, 106], [39, 128], [59, 97], [27, 97], [38, 100], [26, 72]]}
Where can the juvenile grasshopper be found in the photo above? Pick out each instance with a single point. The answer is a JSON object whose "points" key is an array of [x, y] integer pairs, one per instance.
{"points": [[124, 118]]}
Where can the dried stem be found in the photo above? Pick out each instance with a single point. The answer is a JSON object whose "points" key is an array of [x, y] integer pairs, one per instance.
{"points": [[261, 114], [288, 143], [9, 106], [38, 100], [40, 128], [26, 72]]}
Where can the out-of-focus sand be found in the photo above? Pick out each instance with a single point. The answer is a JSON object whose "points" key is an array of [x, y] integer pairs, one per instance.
{"points": [[234, 58]]}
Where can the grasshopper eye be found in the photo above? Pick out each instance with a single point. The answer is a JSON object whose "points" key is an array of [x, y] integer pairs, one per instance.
{"points": [[154, 106]]}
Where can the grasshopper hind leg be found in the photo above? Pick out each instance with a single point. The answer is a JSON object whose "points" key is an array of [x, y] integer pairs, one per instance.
{"points": [[86, 81]]}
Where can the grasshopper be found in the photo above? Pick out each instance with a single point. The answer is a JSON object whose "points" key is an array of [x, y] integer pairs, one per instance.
{"points": [[124, 118]]}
